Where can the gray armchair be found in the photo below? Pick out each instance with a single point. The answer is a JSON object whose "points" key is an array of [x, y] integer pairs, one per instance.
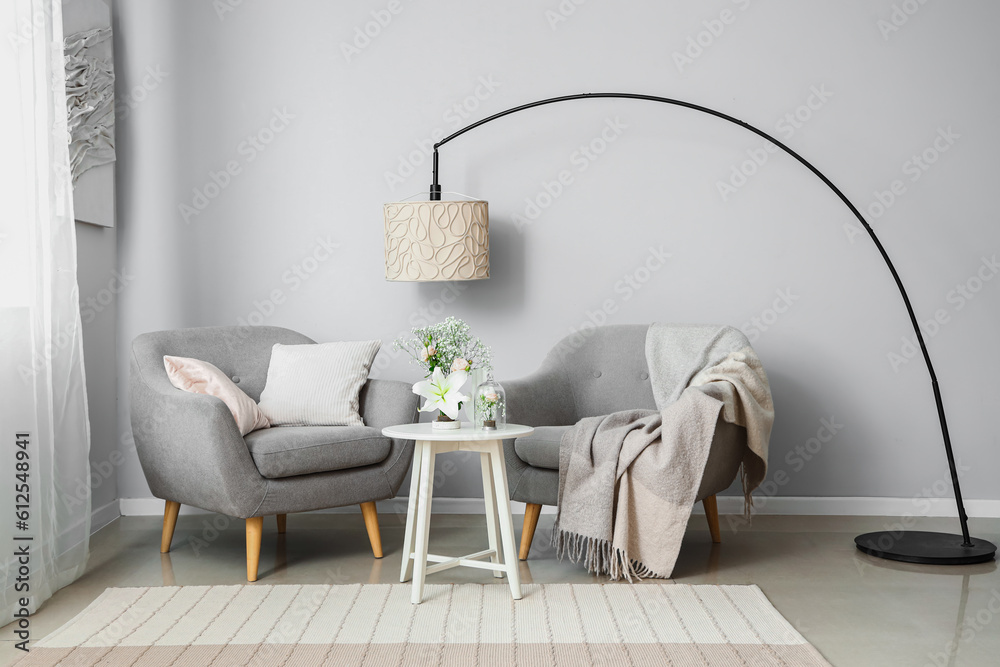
{"points": [[587, 375], [192, 452]]}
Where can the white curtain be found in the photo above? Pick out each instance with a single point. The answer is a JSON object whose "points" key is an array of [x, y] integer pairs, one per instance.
{"points": [[43, 401]]}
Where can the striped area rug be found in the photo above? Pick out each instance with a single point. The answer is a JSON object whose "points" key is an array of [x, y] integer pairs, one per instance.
{"points": [[462, 624]]}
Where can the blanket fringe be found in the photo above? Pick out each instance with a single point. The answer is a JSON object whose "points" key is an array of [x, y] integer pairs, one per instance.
{"points": [[600, 556]]}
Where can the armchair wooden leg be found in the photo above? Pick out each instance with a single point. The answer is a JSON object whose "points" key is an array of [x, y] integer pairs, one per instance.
{"points": [[255, 527], [531, 512], [282, 523], [170, 511], [371, 523], [712, 514]]}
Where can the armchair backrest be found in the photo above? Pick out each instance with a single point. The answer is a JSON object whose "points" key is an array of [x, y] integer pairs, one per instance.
{"points": [[239, 352], [605, 369]]}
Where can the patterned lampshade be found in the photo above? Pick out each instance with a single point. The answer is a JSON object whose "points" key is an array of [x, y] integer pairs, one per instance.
{"points": [[437, 240]]}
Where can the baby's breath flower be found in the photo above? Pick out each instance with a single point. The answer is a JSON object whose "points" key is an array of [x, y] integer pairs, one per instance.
{"points": [[438, 345]]}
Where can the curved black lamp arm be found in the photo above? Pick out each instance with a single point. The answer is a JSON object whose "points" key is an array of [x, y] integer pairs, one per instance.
{"points": [[435, 195]]}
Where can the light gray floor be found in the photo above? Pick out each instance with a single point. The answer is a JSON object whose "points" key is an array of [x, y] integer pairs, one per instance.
{"points": [[855, 609]]}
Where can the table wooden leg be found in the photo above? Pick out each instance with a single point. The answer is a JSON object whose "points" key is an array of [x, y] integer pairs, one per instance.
{"points": [[411, 508], [426, 494], [506, 522], [489, 495]]}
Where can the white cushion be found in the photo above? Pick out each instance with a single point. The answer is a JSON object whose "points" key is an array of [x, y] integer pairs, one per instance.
{"points": [[317, 384], [201, 377]]}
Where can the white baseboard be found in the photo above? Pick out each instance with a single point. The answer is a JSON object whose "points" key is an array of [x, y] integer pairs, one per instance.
{"points": [[853, 506], [105, 514], [792, 506], [397, 505]]}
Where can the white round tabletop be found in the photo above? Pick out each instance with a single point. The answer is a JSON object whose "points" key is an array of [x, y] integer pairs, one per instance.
{"points": [[425, 432]]}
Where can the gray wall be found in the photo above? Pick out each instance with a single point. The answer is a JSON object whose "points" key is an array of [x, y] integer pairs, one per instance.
{"points": [[778, 248], [98, 279]]}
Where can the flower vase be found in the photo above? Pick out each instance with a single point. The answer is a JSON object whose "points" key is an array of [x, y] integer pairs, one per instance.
{"points": [[445, 423], [476, 376], [491, 406]]}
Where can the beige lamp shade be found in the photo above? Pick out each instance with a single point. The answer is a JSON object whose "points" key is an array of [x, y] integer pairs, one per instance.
{"points": [[437, 240]]}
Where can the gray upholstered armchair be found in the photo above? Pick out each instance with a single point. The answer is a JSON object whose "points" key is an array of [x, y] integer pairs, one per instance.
{"points": [[192, 452], [587, 375]]}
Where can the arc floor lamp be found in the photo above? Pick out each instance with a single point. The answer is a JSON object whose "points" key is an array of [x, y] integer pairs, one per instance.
{"points": [[437, 240]]}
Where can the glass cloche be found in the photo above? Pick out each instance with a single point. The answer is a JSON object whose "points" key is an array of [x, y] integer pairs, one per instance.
{"points": [[490, 405]]}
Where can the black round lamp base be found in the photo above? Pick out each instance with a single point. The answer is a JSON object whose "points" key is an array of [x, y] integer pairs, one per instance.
{"points": [[917, 546]]}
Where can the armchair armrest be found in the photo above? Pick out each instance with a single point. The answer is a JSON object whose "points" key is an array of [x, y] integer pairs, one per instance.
{"points": [[540, 399], [388, 403], [190, 448]]}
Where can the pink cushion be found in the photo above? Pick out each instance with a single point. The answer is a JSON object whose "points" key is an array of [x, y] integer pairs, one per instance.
{"points": [[201, 377]]}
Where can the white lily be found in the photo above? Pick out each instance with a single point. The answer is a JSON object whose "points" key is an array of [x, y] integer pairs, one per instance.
{"points": [[442, 392]]}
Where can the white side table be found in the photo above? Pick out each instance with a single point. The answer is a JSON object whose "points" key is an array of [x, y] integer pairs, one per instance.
{"points": [[489, 444]]}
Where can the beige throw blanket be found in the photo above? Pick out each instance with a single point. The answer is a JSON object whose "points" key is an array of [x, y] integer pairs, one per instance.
{"points": [[628, 481]]}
